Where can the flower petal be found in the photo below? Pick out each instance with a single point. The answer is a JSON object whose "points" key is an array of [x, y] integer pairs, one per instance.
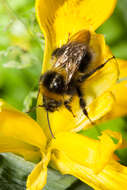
{"points": [[91, 153], [27, 151], [19, 133], [120, 93], [112, 177], [37, 179], [61, 18]]}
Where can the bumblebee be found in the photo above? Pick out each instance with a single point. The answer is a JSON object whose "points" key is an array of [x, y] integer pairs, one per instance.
{"points": [[63, 81]]}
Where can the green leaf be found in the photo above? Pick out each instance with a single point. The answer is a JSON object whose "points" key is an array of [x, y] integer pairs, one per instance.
{"points": [[78, 185], [14, 171], [120, 49], [57, 181]]}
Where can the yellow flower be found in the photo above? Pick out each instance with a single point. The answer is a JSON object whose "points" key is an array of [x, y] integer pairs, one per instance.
{"points": [[59, 21], [92, 161]]}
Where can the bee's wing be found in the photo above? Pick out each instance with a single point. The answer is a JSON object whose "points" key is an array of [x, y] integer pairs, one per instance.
{"points": [[82, 36], [70, 54], [66, 64], [71, 69], [60, 63], [70, 62]]}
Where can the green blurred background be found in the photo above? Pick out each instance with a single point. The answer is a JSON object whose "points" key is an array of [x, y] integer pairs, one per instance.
{"points": [[21, 55]]}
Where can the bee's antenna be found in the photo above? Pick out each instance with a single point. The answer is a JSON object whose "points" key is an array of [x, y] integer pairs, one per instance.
{"points": [[49, 125], [34, 108]]}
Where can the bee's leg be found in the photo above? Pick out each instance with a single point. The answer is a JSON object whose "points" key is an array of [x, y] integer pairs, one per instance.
{"points": [[83, 107], [83, 104], [66, 104], [84, 77]]}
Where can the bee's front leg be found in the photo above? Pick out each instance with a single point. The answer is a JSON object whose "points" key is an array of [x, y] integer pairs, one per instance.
{"points": [[83, 104], [67, 105]]}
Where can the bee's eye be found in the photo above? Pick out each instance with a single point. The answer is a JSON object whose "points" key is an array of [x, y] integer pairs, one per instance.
{"points": [[85, 61]]}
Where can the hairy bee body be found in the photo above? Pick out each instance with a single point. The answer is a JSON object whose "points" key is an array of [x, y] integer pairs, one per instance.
{"points": [[62, 81], [68, 72]]}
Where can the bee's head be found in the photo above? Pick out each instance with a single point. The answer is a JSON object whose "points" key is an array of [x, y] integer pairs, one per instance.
{"points": [[53, 81]]}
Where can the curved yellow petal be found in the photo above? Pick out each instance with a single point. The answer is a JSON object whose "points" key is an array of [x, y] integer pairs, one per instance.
{"points": [[61, 18], [16, 146], [112, 177], [37, 179], [120, 93], [18, 127], [91, 153]]}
